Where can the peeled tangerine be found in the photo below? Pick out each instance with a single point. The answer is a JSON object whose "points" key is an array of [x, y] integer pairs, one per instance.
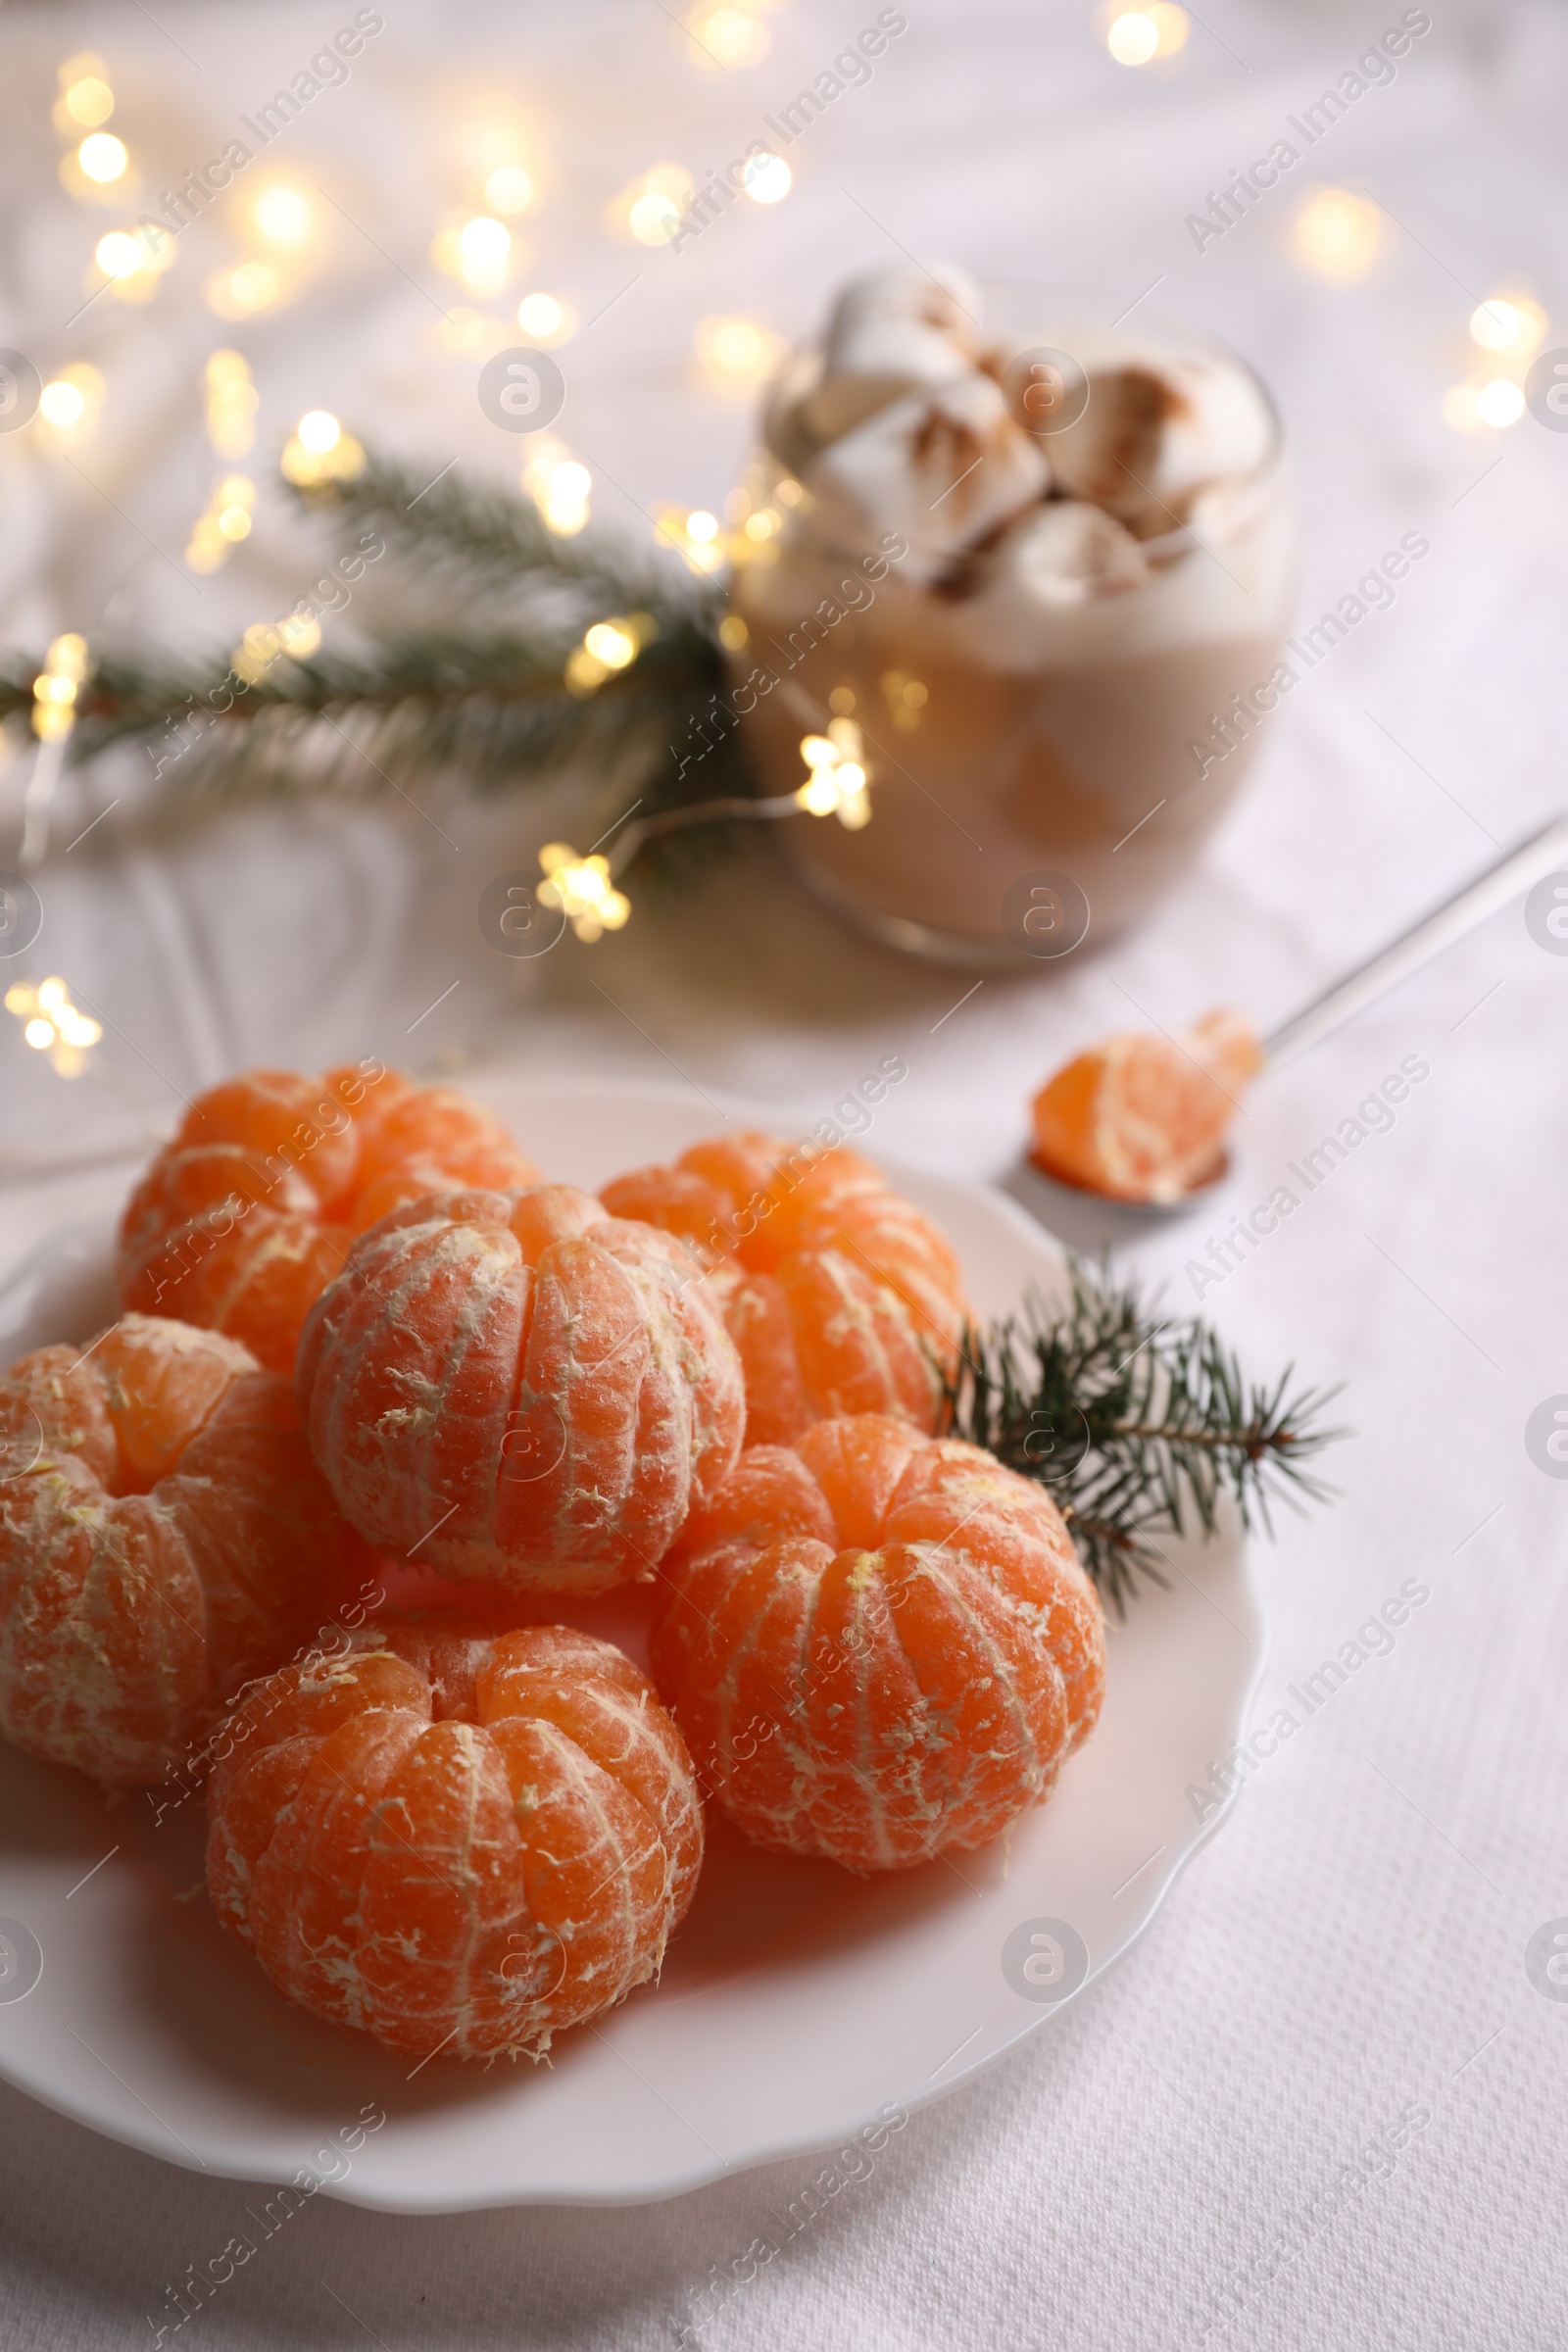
{"points": [[880, 1646], [456, 1838], [164, 1537], [242, 1221], [842, 1296], [1144, 1118], [520, 1387]]}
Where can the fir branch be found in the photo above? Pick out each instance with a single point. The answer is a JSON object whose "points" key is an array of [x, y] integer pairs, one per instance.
{"points": [[493, 710], [489, 536], [1135, 1423]]}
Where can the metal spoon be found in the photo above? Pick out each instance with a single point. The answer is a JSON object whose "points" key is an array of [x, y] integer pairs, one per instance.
{"points": [[1514, 871]]}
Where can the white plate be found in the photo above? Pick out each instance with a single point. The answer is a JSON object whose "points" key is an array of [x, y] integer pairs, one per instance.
{"points": [[798, 2004]]}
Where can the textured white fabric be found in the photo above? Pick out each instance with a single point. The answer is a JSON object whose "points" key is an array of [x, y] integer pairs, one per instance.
{"points": [[1170, 2158]]}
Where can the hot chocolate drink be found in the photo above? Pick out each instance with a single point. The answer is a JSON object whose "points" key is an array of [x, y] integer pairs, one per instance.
{"points": [[1035, 576]]}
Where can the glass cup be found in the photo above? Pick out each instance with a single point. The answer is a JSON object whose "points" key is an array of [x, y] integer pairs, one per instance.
{"points": [[1036, 778]]}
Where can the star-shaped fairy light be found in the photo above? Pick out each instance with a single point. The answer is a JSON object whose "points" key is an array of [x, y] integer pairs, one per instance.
{"points": [[836, 785], [581, 887], [584, 888]]}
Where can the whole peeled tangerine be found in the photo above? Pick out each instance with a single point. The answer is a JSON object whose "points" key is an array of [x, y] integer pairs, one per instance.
{"points": [[243, 1219], [879, 1646], [840, 1296], [164, 1538], [456, 1838], [520, 1387]]}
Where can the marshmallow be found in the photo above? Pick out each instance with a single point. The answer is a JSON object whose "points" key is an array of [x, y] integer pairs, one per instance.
{"points": [[1025, 594], [1155, 435], [1222, 431], [1070, 553], [894, 332], [784, 428], [942, 468]]}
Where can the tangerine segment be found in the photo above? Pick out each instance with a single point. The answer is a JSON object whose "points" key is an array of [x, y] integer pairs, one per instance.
{"points": [[241, 1222], [455, 1839], [277, 1111], [840, 1296], [1144, 1118], [880, 1646], [164, 1537], [520, 1387]]}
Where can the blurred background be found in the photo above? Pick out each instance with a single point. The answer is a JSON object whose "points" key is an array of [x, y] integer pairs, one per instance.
{"points": [[462, 172]]}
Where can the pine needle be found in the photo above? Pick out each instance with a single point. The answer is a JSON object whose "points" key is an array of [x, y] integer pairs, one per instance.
{"points": [[1135, 1423]]}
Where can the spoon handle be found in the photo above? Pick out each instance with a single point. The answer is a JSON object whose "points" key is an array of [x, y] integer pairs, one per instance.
{"points": [[1513, 872]]}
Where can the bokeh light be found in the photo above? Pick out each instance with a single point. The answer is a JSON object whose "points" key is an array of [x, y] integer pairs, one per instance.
{"points": [[767, 178], [119, 254], [651, 208], [283, 216], [1136, 35], [693, 534], [611, 641], [239, 292], [89, 101], [1132, 39], [1510, 323], [296, 635], [1337, 235], [134, 261], [729, 36], [564, 506], [231, 404], [52, 1024], [301, 634], [225, 520], [738, 350], [1500, 402], [320, 451], [478, 253], [102, 157], [508, 189], [547, 319], [558, 484], [55, 689], [655, 218], [485, 243], [62, 402]]}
